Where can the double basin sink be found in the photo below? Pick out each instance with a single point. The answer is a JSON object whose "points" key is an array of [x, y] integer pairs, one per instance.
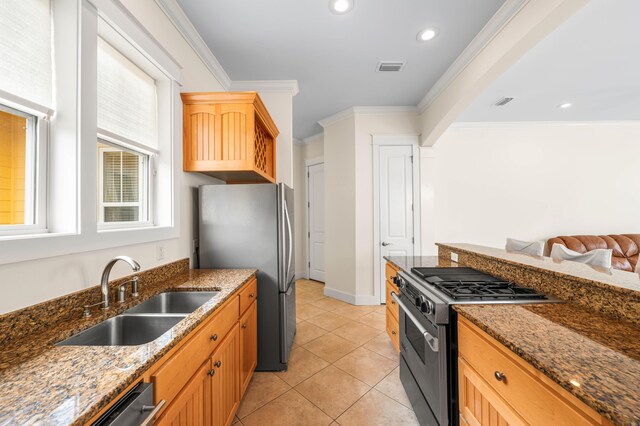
{"points": [[144, 322]]}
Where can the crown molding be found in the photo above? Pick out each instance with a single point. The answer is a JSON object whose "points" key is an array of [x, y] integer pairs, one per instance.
{"points": [[497, 22], [369, 111], [266, 86], [519, 124], [342, 115], [313, 138], [176, 15]]}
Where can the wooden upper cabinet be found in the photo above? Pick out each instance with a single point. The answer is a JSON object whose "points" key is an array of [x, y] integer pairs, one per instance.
{"points": [[230, 136]]}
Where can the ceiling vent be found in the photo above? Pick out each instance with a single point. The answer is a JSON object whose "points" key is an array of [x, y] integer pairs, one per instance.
{"points": [[390, 66], [503, 101]]}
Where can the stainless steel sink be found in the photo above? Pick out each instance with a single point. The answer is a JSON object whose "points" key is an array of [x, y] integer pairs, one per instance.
{"points": [[179, 302], [124, 330]]}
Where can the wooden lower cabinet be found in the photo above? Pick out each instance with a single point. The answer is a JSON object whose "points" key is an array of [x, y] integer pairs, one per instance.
{"points": [[497, 387], [192, 405], [203, 378], [225, 382], [248, 346]]}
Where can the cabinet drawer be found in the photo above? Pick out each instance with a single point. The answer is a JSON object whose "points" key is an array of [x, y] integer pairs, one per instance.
{"points": [[248, 295], [537, 401], [393, 330], [391, 272], [174, 374], [392, 306]]}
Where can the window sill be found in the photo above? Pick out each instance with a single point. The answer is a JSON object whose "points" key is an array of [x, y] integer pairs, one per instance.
{"points": [[45, 245]]}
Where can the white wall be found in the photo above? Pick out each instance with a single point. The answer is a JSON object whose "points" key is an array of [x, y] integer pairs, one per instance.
{"points": [[348, 160], [30, 282], [535, 181], [310, 148], [366, 126], [340, 209]]}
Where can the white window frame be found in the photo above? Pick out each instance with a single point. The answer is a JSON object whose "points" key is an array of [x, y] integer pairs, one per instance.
{"points": [[35, 184], [72, 150], [145, 182]]}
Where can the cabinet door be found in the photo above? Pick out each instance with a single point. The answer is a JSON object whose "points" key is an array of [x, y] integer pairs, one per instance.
{"points": [[225, 388], [191, 406], [202, 136], [479, 404], [237, 133], [248, 346]]}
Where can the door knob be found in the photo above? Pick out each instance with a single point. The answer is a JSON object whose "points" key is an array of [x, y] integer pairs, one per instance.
{"points": [[384, 244]]}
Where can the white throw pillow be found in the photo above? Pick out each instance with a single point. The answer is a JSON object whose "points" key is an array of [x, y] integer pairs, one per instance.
{"points": [[535, 248], [598, 257]]}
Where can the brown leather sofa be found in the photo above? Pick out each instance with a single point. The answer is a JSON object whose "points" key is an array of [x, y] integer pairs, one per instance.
{"points": [[625, 247]]}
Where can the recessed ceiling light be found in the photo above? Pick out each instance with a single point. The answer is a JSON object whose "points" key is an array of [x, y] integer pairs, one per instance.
{"points": [[427, 34], [565, 105], [340, 6]]}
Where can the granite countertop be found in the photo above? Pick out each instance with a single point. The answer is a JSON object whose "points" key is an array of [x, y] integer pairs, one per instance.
{"points": [[568, 343], [61, 385], [407, 262], [592, 356]]}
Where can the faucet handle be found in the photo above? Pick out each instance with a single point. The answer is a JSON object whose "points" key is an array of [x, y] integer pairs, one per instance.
{"points": [[134, 287], [87, 309]]}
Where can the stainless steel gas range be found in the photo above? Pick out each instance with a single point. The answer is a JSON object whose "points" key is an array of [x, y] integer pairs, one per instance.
{"points": [[428, 333]]}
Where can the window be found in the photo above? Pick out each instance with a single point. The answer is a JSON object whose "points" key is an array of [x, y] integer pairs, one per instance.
{"points": [[17, 147], [26, 80], [127, 138], [123, 182]]}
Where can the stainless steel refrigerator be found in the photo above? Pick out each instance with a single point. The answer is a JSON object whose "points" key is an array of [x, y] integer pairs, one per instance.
{"points": [[251, 226]]}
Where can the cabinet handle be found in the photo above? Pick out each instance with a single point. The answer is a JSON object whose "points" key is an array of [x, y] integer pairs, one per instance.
{"points": [[393, 332], [155, 409], [393, 302], [244, 325], [501, 377], [218, 363], [214, 337], [211, 372], [251, 296]]}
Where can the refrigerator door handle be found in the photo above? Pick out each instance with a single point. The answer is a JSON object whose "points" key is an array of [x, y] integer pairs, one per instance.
{"points": [[286, 215]]}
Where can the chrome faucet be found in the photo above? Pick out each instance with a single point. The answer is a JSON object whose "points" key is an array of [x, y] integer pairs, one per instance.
{"points": [[105, 277]]}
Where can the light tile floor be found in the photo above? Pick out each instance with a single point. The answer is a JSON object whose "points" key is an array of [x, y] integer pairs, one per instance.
{"points": [[343, 370]]}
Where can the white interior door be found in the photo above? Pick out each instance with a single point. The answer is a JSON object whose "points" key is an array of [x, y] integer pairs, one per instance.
{"points": [[316, 221], [396, 205]]}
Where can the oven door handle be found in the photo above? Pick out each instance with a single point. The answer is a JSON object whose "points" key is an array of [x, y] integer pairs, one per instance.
{"points": [[431, 340]]}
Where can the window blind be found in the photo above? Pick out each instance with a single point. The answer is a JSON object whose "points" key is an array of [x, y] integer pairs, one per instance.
{"points": [[25, 50], [126, 98]]}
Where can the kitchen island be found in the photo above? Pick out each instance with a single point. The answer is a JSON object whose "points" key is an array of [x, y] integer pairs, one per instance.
{"points": [[586, 359]]}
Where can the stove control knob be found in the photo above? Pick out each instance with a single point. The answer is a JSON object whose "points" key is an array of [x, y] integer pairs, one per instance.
{"points": [[427, 307], [420, 300], [399, 282]]}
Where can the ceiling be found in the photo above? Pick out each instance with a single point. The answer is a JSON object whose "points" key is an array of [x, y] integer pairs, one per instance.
{"points": [[334, 57], [591, 61]]}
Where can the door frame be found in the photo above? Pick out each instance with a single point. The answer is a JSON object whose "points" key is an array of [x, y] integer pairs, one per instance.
{"points": [[308, 163], [393, 140]]}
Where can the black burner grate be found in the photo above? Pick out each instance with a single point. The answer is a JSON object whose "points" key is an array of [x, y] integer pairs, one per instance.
{"points": [[486, 290]]}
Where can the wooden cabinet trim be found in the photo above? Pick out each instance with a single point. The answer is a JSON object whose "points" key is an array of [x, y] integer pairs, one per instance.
{"points": [[393, 330], [392, 306], [248, 295], [248, 346]]}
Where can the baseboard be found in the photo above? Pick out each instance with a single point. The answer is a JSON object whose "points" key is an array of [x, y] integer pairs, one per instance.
{"points": [[350, 298]]}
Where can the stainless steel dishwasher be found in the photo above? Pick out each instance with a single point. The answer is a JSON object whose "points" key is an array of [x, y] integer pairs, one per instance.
{"points": [[134, 409]]}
